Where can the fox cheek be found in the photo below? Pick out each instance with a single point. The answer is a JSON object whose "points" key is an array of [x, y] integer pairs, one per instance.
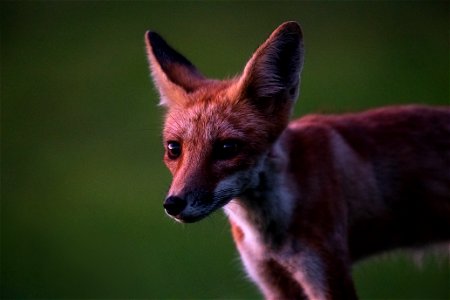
{"points": [[171, 166]]}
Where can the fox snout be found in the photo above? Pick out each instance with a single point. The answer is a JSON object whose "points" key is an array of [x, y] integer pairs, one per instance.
{"points": [[192, 203], [191, 206]]}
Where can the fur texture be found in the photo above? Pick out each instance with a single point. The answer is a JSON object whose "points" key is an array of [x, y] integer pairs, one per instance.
{"points": [[307, 199]]}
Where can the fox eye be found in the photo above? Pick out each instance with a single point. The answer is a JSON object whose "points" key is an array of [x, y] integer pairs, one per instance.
{"points": [[226, 149], [173, 149]]}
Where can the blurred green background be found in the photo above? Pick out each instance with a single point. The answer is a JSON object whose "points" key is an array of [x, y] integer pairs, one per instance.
{"points": [[82, 177]]}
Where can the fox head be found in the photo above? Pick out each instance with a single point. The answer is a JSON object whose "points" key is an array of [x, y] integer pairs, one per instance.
{"points": [[217, 132]]}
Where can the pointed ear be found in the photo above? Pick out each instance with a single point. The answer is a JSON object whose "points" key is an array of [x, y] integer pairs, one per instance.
{"points": [[273, 72], [173, 74]]}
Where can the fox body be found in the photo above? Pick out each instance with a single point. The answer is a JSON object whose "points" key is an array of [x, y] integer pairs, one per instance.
{"points": [[305, 199]]}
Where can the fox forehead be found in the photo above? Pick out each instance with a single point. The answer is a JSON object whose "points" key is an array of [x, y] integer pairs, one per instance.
{"points": [[212, 119]]}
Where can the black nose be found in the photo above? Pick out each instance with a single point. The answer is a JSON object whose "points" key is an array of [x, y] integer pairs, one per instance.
{"points": [[174, 205]]}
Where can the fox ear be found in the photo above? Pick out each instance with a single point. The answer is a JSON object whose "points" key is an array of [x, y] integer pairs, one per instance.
{"points": [[273, 72], [173, 74]]}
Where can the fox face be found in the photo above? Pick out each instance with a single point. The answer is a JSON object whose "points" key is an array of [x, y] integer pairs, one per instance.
{"points": [[217, 134], [209, 157]]}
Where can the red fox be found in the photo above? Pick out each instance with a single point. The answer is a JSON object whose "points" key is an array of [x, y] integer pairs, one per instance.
{"points": [[305, 199]]}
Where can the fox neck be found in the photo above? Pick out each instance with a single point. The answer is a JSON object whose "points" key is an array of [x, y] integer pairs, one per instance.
{"points": [[263, 212]]}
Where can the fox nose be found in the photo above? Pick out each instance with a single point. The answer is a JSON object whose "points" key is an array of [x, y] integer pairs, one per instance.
{"points": [[174, 205]]}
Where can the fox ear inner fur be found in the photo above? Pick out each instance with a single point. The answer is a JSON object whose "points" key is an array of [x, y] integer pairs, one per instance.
{"points": [[172, 72], [272, 72], [274, 69]]}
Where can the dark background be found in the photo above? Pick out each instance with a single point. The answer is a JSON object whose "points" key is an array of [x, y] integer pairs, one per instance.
{"points": [[82, 181]]}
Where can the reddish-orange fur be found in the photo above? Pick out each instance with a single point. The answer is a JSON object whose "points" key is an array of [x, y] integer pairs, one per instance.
{"points": [[305, 199]]}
